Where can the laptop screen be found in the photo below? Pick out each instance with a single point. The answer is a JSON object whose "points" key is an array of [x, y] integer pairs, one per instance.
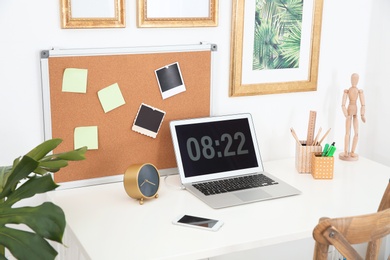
{"points": [[206, 146]]}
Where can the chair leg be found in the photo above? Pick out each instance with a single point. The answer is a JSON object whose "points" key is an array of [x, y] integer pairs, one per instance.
{"points": [[373, 249], [374, 246], [320, 251]]}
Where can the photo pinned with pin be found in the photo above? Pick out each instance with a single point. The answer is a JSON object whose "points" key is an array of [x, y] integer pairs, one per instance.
{"points": [[148, 120], [170, 80]]}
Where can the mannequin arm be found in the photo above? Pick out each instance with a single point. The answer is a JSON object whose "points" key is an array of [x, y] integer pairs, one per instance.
{"points": [[345, 96], [363, 106]]}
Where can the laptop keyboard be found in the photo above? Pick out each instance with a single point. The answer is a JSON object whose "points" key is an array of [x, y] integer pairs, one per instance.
{"points": [[234, 184]]}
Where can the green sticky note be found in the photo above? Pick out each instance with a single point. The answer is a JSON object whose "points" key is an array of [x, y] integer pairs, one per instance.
{"points": [[75, 80], [86, 136], [111, 97]]}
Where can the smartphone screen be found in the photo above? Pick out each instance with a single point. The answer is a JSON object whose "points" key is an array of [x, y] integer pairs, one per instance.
{"points": [[198, 221]]}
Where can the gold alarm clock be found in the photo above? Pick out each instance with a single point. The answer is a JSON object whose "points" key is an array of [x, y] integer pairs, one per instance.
{"points": [[142, 181]]}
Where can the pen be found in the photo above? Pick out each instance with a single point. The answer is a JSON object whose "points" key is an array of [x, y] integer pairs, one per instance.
{"points": [[325, 150], [331, 150]]}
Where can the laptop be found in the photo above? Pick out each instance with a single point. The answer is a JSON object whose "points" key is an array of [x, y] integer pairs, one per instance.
{"points": [[219, 161]]}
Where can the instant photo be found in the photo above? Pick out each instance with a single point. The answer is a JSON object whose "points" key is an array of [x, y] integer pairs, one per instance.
{"points": [[148, 120], [170, 80]]}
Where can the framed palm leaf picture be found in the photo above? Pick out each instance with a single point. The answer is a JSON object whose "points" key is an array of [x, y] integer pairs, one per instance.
{"points": [[274, 46]]}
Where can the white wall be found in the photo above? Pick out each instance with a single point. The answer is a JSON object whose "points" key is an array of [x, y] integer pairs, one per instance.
{"points": [[355, 38], [27, 27], [375, 139]]}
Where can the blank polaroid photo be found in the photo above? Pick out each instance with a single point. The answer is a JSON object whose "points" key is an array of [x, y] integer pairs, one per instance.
{"points": [[170, 80], [148, 120]]}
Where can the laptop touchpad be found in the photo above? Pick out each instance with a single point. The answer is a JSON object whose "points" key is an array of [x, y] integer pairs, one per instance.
{"points": [[251, 195]]}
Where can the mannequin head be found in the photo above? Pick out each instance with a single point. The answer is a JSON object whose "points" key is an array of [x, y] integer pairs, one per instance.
{"points": [[354, 79]]}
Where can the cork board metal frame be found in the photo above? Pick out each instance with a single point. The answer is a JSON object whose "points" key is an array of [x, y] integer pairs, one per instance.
{"points": [[133, 69]]}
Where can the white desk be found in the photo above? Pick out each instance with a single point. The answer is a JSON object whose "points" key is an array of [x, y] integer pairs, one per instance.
{"points": [[108, 224]]}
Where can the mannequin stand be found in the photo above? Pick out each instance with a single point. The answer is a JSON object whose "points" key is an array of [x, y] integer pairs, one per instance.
{"points": [[348, 157]]}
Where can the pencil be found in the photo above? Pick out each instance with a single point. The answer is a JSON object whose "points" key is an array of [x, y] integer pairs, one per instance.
{"points": [[295, 136], [322, 139], [316, 138]]}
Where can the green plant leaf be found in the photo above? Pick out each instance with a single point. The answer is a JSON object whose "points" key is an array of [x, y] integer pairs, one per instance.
{"points": [[33, 186], [26, 245], [41, 171], [44, 148], [46, 220], [4, 173], [53, 164], [16, 161], [22, 169], [75, 155]]}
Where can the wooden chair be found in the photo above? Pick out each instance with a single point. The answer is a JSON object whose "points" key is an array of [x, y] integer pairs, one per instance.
{"points": [[342, 233]]}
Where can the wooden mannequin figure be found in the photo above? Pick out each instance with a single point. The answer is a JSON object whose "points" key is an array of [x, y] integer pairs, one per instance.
{"points": [[351, 115]]}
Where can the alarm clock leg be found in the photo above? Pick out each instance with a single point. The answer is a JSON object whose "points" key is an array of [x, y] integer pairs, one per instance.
{"points": [[156, 196], [141, 201]]}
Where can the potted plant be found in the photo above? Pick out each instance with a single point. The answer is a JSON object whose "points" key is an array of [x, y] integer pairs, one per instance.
{"points": [[30, 175]]}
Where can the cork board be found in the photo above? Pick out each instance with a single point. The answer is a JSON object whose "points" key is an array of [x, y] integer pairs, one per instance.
{"points": [[119, 146]]}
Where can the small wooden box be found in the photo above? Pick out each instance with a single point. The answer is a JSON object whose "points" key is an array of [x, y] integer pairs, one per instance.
{"points": [[303, 156], [321, 166]]}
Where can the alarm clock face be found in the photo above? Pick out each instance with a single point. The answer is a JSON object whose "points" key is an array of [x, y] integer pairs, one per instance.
{"points": [[148, 180]]}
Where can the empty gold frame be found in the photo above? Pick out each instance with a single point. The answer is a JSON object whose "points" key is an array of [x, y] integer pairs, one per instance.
{"points": [[104, 14], [164, 13]]}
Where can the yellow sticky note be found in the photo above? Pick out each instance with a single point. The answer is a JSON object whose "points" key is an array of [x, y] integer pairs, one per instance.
{"points": [[86, 136], [75, 80], [111, 97]]}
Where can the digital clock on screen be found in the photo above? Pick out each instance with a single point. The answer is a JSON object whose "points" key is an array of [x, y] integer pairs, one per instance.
{"points": [[216, 146], [223, 147]]}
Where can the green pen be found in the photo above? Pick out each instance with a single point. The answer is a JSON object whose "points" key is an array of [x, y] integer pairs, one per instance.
{"points": [[331, 150], [325, 150]]}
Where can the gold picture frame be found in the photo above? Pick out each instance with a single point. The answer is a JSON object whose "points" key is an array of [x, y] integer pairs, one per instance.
{"points": [[145, 20], [245, 81], [70, 21]]}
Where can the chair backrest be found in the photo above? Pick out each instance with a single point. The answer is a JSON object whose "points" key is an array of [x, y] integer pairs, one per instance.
{"points": [[342, 233]]}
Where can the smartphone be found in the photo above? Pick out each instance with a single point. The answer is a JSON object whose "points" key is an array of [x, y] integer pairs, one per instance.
{"points": [[198, 222]]}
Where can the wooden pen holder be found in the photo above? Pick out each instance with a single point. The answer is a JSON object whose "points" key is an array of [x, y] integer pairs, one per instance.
{"points": [[322, 166], [303, 155]]}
